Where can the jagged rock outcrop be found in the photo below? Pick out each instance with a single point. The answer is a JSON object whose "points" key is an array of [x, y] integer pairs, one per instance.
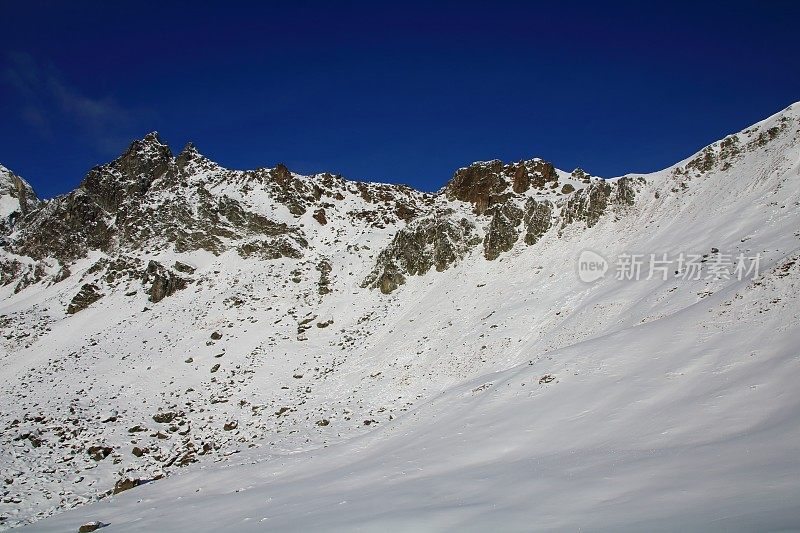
{"points": [[17, 199], [24, 273], [485, 184], [481, 184], [273, 248], [324, 284], [588, 205], [130, 176], [436, 241], [88, 294], [503, 230], [148, 201], [163, 282], [580, 174], [538, 219], [66, 228]]}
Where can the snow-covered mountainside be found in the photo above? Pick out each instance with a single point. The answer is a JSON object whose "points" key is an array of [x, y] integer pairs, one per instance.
{"points": [[205, 349]]}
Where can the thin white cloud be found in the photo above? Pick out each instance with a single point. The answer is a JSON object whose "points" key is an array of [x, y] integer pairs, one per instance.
{"points": [[48, 101]]}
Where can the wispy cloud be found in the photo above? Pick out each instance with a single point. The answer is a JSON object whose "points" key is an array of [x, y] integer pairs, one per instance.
{"points": [[48, 102]]}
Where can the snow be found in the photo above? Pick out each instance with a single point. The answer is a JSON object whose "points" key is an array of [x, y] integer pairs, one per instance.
{"points": [[673, 405]]}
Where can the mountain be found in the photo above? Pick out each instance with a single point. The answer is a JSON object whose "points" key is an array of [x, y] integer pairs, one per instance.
{"points": [[210, 349], [16, 199]]}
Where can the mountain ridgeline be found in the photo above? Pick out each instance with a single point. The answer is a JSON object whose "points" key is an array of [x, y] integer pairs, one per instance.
{"points": [[148, 200]]}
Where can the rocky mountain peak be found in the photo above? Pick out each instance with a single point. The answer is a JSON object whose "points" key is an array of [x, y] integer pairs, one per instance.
{"points": [[487, 183], [130, 175], [150, 148], [190, 159], [17, 198]]}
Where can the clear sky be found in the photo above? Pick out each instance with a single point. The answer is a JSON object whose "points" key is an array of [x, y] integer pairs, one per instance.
{"points": [[394, 91]]}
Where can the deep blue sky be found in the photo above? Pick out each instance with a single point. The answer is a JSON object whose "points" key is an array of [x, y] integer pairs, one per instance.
{"points": [[396, 92]]}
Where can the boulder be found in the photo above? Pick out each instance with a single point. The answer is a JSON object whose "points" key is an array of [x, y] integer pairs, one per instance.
{"points": [[88, 294]]}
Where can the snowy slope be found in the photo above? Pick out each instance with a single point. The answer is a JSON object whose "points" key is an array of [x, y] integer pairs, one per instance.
{"points": [[498, 393]]}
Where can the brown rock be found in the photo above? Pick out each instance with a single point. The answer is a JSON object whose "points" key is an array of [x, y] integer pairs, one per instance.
{"points": [[319, 216], [126, 484]]}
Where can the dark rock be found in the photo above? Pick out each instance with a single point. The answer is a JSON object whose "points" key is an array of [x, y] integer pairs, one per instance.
{"points": [[230, 426], [582, 175], [319, 216], [486, 184], [502, 232], [98, 453], [588, 204], [480, 184], [88, 294], [183, 267], [138, 452], [164, 417], [91, 526], [163, 282], [625, 190], [274, 248], [537, 219], [324, 268], [435, 241], [126, 484], [130, 175], [542, 173]]}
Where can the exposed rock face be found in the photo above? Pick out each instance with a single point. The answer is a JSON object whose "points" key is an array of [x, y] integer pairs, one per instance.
{"points": [[163, 282], [183, 267], [503, 230], [274, 248], [98, 453], [436, 241], [319, 216], [542, 173], [88, 294], [25, 274], [17, 199], [538, 219], [91, 526], [625, 190], [589, 204], [131, 175], [486, 184], [126, 484], [324, 268], [580, 174], [149, 201], [66, 228], [481, 184]]}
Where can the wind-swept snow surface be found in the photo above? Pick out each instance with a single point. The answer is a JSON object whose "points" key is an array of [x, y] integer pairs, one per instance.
{"points": [[501, 394]]}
